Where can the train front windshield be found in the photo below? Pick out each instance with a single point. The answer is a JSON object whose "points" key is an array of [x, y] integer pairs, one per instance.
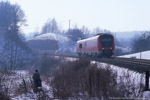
{"points": [[106, 41]]}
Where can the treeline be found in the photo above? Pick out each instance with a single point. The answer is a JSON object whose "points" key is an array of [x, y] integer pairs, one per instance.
{"points": [[75, 33], [142, 43], [13, 48]]}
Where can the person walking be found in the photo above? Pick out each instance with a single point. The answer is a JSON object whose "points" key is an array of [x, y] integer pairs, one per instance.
{"points": [[37, 81]]}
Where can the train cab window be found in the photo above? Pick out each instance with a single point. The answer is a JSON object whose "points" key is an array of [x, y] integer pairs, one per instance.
{"points": [[80, 45], [106, 41]]}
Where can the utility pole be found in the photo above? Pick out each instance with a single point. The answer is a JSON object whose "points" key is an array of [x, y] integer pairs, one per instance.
{"points": [[147, 81], [149, 39], [144, 36], [140, 55], [69, 25], [115, 35]]}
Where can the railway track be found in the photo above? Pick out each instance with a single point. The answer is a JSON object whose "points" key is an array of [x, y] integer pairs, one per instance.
{"points": [[141, 62], [139, 65], [135, 60]]}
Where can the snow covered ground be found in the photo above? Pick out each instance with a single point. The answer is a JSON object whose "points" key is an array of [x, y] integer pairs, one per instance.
{"points": [[131, 79], [140, 55], [29, 95]]}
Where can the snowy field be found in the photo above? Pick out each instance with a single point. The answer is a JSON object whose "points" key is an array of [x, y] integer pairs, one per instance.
{"points": [[140, 55]]}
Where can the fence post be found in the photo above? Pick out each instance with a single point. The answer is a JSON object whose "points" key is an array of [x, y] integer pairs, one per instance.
{"points": [[25, 87], [147, 81]]}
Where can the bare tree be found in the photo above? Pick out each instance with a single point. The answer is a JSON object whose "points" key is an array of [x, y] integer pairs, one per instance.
{"points": [[11, 19], [85, 30], [75, 34], [142, 43], [50, 26]]}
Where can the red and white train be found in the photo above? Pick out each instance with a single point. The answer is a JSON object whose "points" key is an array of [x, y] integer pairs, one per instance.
{"points": [[100, 45]]}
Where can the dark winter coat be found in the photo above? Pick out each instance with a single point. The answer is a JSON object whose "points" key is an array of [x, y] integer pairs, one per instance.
{"points": [[37, 79]]}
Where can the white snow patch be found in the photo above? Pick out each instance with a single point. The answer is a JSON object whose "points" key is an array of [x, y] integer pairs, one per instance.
{"points": [[146, 95], [51, 36], [140, 55], [124, 49]]}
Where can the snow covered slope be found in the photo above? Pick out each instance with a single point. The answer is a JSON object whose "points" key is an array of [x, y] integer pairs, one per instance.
{"points": [[142, 55], [65, 44], [51, 36]]}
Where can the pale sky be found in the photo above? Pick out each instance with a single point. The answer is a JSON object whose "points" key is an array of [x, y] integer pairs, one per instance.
{"points": [[113, 15]]}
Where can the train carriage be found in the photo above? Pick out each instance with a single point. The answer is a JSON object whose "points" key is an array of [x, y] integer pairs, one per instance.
{"points": [[100, 45]]}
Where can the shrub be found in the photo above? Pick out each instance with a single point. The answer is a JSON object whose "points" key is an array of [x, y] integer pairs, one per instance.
{"points": [[4, 95], [80, 79], [69, 79]]}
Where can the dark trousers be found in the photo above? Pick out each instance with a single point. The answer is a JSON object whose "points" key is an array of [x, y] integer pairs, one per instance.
{"points": [[37, 83]]}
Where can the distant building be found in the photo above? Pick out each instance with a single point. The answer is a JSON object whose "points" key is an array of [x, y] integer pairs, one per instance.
{"points": [[44, 43]]}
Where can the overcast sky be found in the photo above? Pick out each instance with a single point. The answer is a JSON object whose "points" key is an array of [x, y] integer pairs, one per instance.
{"points": [[113, 15]]}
